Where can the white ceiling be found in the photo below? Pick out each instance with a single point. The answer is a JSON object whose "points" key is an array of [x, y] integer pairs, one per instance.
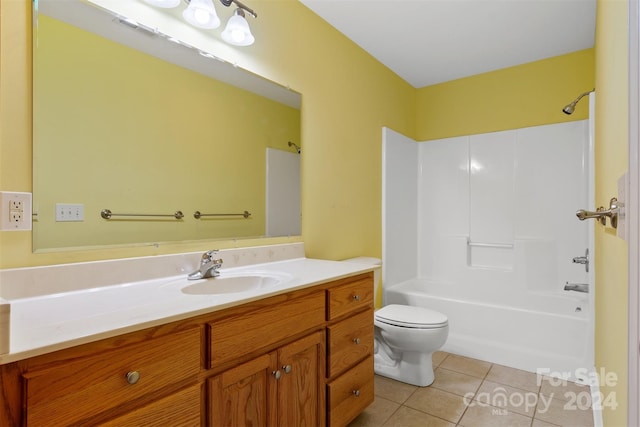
{"points": [[432, 41]]}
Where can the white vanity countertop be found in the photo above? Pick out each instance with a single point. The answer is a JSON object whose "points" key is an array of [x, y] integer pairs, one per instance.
{"points": [[47, 323]]}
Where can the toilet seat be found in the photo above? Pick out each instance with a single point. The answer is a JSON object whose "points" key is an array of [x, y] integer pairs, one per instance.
{"points": [[407, 316]]}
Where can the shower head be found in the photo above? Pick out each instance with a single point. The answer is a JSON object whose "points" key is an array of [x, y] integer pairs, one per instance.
{"points": [[291, 144], [571, 107]]}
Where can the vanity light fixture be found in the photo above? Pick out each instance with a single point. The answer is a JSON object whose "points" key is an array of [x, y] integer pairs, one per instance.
{"points": [[237, 31], [202, 14]]}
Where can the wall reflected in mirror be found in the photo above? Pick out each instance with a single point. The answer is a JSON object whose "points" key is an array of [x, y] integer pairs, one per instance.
{"points": [[116, 128]]}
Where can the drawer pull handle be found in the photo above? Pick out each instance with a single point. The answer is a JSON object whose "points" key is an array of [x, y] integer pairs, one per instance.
{"points": [[287, 369], [277, 374], [356, 341], [133, 377], [356, 393], [356, 297]]}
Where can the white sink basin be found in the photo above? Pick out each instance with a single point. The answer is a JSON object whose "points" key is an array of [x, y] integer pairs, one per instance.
{"points": [[229, 284]]}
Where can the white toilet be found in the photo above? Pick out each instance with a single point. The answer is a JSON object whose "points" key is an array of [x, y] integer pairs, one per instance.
{"points": [[405, 337]]}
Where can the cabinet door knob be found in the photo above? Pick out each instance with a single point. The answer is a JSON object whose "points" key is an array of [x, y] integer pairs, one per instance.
{"points": [[356, 341], [356, 393], [356, 297], [287, 368], [133, 377], [277, 374]]}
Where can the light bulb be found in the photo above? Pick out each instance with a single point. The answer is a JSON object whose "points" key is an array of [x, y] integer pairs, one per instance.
{"points": [[237, 31], [201, 14], [237, 35]]}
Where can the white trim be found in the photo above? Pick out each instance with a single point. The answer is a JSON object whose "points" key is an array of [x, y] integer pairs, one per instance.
{"points": [[591, 239], [596, 399], [633, 217]]}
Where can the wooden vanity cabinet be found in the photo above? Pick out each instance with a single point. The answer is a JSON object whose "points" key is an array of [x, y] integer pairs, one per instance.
{"points": [[181, 409], [303, 358], [282, 388], [73, 392], [350, 374], [285, 385]]}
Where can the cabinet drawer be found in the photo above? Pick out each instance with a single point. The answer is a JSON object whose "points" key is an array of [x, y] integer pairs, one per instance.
{"points": [[351, 393], [181, 409], [349, 342], [75, 392], [350, 297], [247, 333]]}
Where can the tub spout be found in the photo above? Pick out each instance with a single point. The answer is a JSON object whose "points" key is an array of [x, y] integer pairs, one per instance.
{"points": [[578, 287]]}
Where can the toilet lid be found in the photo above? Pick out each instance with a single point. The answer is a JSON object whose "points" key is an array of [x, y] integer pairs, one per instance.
{"points": [[409, 316]]}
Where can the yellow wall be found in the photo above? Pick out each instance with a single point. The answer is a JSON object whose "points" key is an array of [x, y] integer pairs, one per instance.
{"points": [[611, 162], [347, 97], [144, 142], [526, 95]]}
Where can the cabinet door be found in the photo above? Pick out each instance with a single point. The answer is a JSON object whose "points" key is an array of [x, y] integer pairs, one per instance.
{"points": [[244, 395], [300, 393]]}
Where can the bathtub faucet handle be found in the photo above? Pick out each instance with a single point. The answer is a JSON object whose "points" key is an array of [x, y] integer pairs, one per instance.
{"points": [[583, 260]]}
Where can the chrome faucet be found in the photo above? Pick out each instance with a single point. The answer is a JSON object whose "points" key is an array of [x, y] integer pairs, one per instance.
{"points": [[208, 266], [584, 260], [578, 287]]}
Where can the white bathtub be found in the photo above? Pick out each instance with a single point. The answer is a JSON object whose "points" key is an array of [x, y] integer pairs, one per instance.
{"points": [[537, 332]]}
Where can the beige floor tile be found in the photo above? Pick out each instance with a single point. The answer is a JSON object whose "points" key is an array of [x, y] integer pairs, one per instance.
{"points": [[466, 365], [455, 382], [516, 400], [393, 390], [407, 417], [489, 416], [514, 378], [438, 357], [504, 398], [566, 390], [439, 403], [376, 414], [563, 413]]}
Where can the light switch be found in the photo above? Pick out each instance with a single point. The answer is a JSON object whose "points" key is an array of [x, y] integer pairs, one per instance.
{"points": [[69, 212]]}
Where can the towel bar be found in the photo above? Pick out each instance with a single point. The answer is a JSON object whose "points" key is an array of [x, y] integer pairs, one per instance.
{"points": [[107, 214], [198, 215]]}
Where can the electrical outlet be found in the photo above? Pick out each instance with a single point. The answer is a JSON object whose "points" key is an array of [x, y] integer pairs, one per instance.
{"points": [[15, 217], [15, 211]]}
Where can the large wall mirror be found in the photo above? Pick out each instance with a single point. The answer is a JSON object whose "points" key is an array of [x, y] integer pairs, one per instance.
{"points": [[126, 120]]}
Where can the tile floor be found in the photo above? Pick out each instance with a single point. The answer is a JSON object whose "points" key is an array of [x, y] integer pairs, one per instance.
{"points": [[473, 393]]}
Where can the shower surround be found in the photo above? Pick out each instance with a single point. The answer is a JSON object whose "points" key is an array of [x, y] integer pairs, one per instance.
{"points": [[483, 229]]}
